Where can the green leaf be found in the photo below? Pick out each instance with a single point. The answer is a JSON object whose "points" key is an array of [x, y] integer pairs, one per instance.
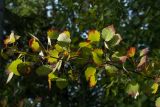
{"points": [[157, 102], [13, 66], [133, 90], [24, 68], [97, 56], [61, 83], [93, 36], [108, 33], [43, 70], [52, 76], [110, 69]]}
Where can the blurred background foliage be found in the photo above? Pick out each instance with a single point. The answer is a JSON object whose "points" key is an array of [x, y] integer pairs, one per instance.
{"points": [[138, 22]]}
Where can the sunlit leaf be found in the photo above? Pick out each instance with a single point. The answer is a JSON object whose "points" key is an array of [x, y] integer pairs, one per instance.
{"points": [[61, 83], [34, 44], [10, 75], [41, 54], [97, 56], [154, 88], [13, 66], [64, 37], [131, 52], [43, 70], [133, 90], [93, 36], [49, 41], [157, 102], [108, 33]]}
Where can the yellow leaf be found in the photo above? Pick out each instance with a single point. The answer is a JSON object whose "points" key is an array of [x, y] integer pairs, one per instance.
{"points": [[93, 36], [52, 34], [157, 102], [51, 76], [97, 56], [84, 44], [155, 88], [92, 81], [53, 55], [34, 45], [11, 38], [90, 76], [58, 48], [90, 71]]}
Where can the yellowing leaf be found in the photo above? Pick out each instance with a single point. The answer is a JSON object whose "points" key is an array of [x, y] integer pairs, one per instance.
{"points": [[51, 76], [97, 56], [64, 37], [108, 33], [90, 76], [90, 71], [142, 61], [92, 81], [11, 39], [34, 45], [154, 87], [157, 102], [52, 34], [84, 44], [53, 55], [131, 52], [93, 36], [58, 48], [144, 51], [13, 66], [133, 90]]}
